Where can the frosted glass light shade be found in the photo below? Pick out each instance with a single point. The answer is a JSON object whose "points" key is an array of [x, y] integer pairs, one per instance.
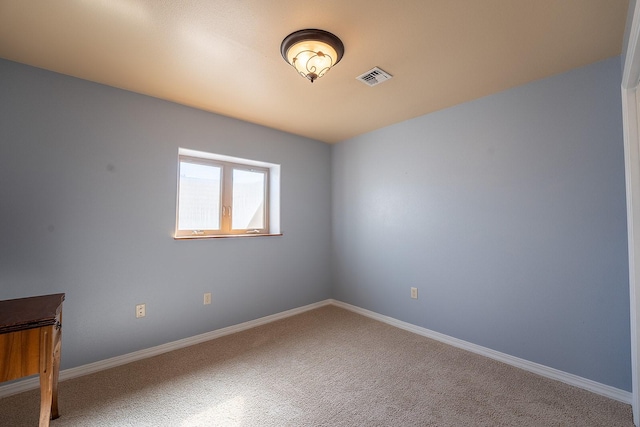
{"points": [[312, 52]]}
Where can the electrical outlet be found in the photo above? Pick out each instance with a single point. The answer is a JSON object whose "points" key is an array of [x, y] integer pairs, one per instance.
{"points": [[141, 310], [414, 293], [207, 298]]}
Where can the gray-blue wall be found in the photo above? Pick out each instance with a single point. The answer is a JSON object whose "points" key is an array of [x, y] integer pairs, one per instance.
{"points": [[508, 213], [87, 207]]}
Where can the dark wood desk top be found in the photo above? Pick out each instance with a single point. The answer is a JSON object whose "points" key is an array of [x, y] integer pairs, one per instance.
{"points": [[27, 313]]}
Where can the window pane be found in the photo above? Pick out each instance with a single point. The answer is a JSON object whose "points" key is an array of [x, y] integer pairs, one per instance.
{"points": [[199, 204], [248, 200]]}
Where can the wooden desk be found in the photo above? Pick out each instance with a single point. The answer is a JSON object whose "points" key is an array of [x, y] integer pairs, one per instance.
{"points": [[30, 341]]}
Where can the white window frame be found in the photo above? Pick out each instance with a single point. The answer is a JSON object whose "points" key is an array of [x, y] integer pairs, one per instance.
{"points": [[228, 164]]}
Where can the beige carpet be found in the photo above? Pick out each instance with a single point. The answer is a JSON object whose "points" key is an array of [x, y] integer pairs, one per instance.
{"points": [[326, 367]]}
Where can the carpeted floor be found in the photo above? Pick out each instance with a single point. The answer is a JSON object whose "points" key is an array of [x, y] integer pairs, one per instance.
{"points": [[326, 367]]}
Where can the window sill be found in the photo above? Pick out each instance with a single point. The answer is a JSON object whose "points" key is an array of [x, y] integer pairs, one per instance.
{"points": [[224, 236]]}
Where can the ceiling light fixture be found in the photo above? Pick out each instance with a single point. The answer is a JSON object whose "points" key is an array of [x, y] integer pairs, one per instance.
{"points": [[312, 52]]}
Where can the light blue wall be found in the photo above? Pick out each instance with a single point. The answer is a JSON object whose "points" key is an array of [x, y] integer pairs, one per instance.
{"points": [[508, 213], [87, 207]]}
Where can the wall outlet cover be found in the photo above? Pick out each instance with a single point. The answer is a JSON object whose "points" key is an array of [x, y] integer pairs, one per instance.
{"points": [[141, 310]]}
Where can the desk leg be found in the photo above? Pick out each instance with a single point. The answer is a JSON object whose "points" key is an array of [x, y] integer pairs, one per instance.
{"points": [[57, 344], [46, 374]]}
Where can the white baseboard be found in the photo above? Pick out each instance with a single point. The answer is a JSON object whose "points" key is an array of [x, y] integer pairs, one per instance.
{"points": [[66, 374], [545, 371]]}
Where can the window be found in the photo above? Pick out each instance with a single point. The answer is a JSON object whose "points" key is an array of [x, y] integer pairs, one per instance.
{"points": [[222, 196]]}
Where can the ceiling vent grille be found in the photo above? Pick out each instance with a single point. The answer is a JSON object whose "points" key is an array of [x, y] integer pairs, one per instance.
{"points": [[374, 76]]}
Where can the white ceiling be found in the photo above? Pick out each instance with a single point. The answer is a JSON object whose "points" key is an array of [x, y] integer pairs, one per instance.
{"points": [[224, 56]]}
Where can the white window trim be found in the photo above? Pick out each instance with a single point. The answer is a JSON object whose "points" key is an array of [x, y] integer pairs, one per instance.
{"points": [[274, 192]]}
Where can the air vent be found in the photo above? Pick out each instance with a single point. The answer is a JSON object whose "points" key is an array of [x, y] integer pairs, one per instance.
{"points": [[374, 76]]}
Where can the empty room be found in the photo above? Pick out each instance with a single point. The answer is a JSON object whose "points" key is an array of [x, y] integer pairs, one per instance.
{"points": [[329, 213]]}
